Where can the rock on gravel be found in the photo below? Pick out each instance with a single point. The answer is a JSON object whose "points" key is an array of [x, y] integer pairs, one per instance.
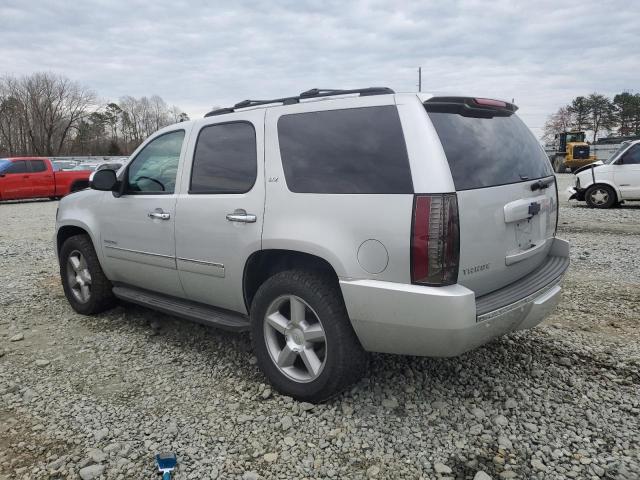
{"points": [[482, 476], [442, 468], [270, 457], [100, 434], [373, 471], [286, 422], [538, 465], [500, 420], [91, 472], [305, 406]]}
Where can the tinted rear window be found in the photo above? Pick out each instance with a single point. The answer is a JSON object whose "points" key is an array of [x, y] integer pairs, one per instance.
{"points": [[359, 150], [486, 152], [38, 166]]}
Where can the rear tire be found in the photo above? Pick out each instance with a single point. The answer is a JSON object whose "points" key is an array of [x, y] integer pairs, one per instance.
{"points": [[303, 338], [600, 196], [86, 287], [558, 165]]}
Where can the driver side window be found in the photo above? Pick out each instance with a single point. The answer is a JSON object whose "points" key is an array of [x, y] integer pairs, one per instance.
{"points": [[155, 168], [632, 157]]}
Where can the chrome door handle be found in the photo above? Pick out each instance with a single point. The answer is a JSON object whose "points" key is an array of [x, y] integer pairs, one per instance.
{"points": [[241, 216], [158, 213]]}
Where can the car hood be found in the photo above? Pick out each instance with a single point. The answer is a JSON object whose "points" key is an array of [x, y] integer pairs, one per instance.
{"points": [[591, 165]]}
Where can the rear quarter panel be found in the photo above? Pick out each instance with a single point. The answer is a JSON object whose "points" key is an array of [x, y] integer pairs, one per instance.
{"points": [[335, 226]]}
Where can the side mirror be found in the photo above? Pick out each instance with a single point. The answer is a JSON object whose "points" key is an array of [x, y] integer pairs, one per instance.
{"points": [[104, 180]]}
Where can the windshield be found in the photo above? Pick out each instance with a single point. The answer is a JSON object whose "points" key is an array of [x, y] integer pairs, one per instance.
{"points": [[617, 153], [575, 137], [4, 164], [487, 152]]}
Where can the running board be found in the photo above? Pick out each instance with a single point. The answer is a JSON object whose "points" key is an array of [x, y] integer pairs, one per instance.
{"points": [[196, 312]]}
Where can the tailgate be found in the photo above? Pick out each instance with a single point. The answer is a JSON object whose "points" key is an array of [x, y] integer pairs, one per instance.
{"points": [[507, 198], [505, 233]]}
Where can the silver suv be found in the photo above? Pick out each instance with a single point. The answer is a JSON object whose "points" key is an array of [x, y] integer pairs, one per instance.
{"points": [[329, 224]]}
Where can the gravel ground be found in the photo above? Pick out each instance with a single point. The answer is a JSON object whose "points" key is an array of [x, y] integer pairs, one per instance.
{"points": [[95, 397]]}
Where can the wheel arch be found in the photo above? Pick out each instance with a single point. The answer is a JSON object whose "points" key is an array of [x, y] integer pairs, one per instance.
{"points": [[606, 183], [69, 230], [263, 264]]}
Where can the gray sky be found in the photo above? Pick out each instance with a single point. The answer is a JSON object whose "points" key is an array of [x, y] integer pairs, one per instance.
{"points": [[198, 54]]}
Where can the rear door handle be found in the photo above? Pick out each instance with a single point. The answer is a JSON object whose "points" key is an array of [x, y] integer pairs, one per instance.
{"points": [[241, 215], [159, 213]]}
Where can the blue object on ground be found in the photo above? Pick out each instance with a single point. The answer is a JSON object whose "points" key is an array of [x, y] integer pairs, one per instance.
{"points": [[166, 462]]}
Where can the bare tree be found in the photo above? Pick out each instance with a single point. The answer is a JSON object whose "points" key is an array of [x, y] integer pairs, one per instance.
{"points": [[47, 114], [47, 107], [560, 121]]}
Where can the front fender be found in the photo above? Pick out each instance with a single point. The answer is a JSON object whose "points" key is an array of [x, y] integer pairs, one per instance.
{"points": [[605, 182], [79, 210]]}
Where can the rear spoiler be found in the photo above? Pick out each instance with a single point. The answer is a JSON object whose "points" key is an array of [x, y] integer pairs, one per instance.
{"points": [[470, 107]]}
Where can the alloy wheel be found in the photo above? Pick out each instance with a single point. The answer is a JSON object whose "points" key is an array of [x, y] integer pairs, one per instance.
{"points": [[78, 276], [295, 338]]}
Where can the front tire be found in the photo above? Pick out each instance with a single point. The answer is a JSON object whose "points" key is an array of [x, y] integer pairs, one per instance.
{"points": [[600, 196], [558, 165], [303, 338], [86, 287]]}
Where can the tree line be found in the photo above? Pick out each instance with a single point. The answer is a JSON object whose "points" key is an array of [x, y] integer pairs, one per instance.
{"points": [[597, 114], [44, 114]]}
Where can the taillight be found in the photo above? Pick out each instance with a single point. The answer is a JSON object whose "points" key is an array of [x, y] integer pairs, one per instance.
{"points": [[435, 240]]}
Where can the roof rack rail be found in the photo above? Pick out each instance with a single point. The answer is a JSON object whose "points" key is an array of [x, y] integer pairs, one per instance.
{"points": [[313, 93]]}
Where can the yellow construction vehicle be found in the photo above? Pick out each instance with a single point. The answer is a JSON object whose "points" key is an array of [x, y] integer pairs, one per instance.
{"points": [[572, 152]]}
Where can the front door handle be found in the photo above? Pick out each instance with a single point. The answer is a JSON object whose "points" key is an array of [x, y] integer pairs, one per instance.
{"points": [[159, 213], [241, 215]]}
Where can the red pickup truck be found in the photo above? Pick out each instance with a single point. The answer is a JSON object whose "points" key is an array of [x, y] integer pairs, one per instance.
{"points": [[34, 177]]}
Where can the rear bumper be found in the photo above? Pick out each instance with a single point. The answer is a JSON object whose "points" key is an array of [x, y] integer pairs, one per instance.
{"points": [[447, 321]]}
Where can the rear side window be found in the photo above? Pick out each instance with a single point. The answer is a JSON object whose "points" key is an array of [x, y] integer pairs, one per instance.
{"points": [[225, 160], [38, 166], [359, 150], [486, 152]]}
